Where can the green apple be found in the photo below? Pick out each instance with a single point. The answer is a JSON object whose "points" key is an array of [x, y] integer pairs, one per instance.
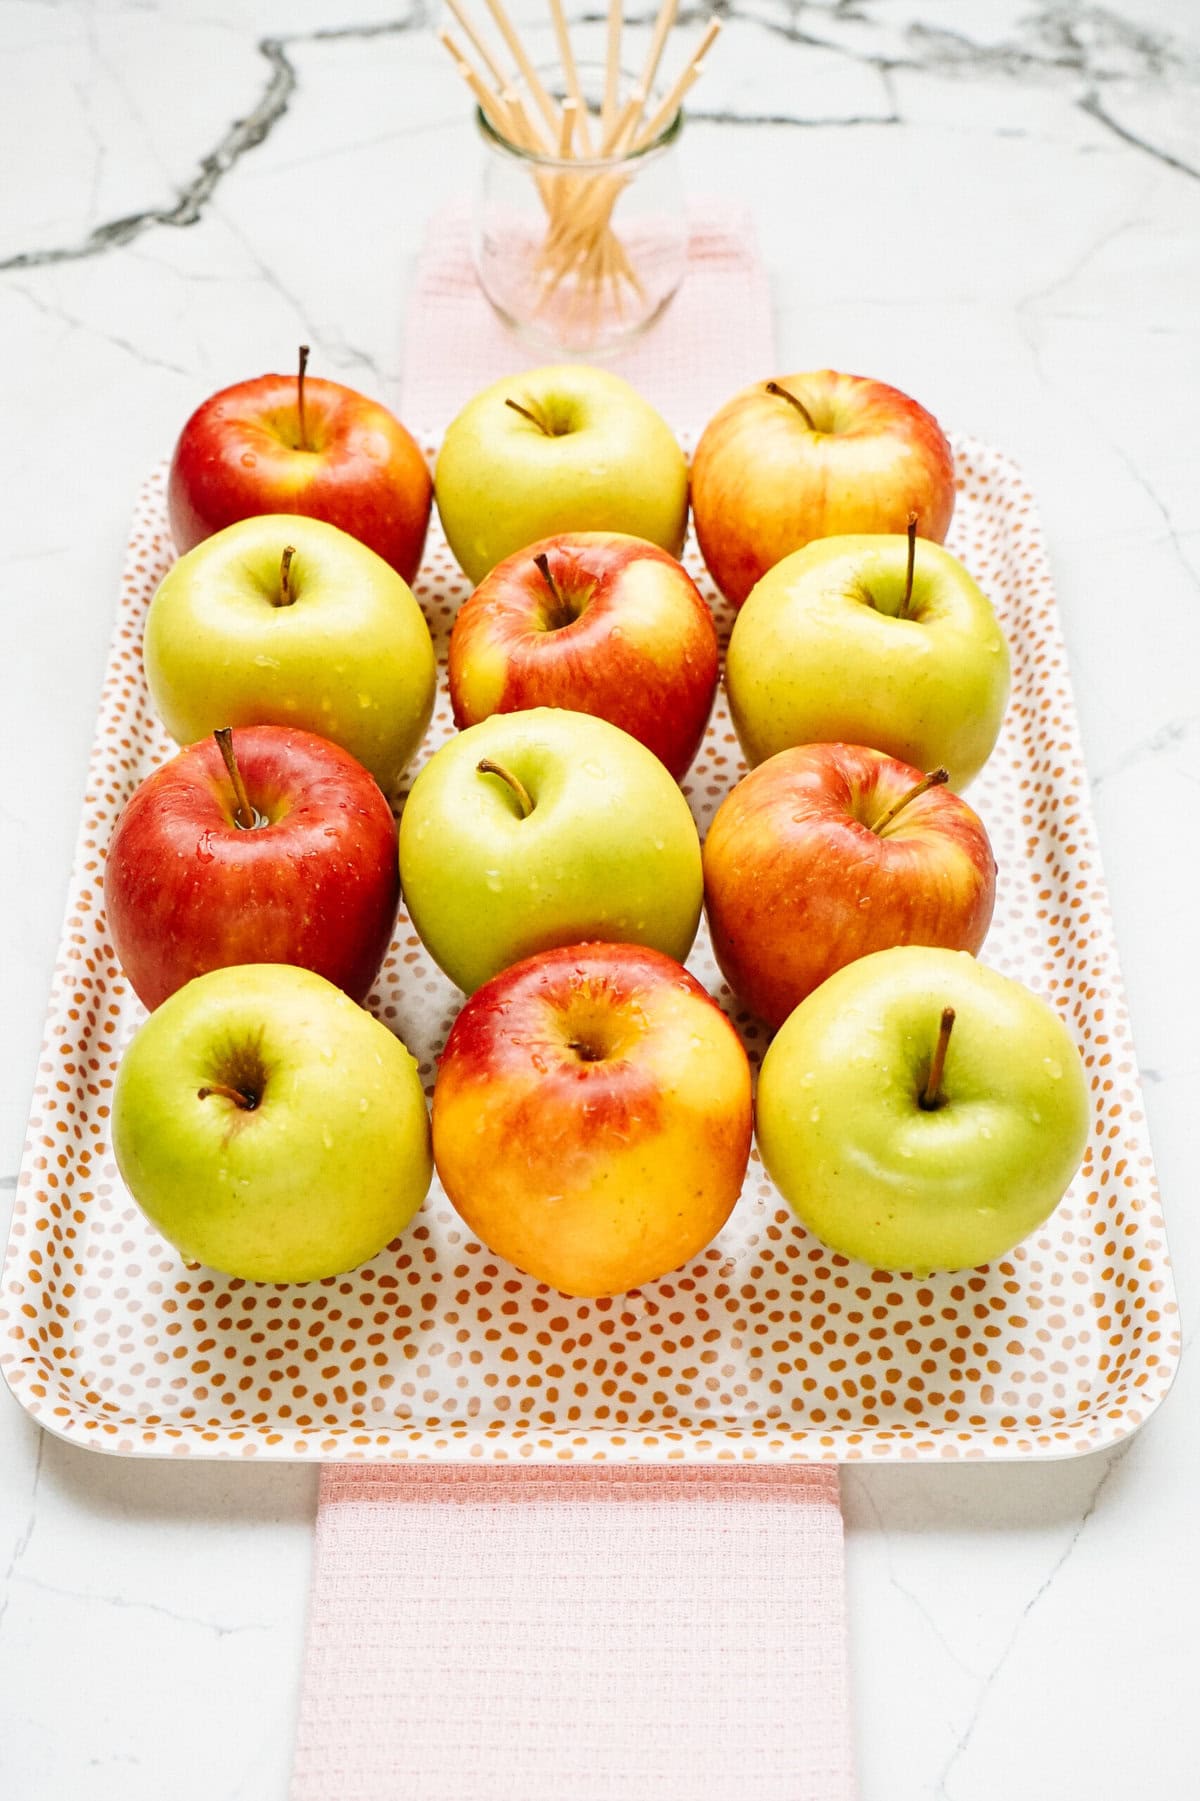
{"points": [[848, 641], [908, 1167], [545, 828], [329, 638], [269, 1127], [562, 449]]}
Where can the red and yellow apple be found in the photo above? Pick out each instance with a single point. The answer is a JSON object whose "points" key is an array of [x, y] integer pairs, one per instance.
{"points": [[816, 455], [592, 1117], [287, 855], [598, 622], [826, 853], [287, 444]]}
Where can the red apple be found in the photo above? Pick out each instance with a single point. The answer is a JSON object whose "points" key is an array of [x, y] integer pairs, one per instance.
{"points": [[283, 444], [810, 456], [591, 1118], [597, 622], [310, 879], [828, 852]]}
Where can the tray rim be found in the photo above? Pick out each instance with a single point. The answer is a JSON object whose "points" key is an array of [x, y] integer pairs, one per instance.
{"points": [[1097, 1430]]}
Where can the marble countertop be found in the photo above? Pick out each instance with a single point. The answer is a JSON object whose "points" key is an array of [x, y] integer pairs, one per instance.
{"points": [[995, 206]]}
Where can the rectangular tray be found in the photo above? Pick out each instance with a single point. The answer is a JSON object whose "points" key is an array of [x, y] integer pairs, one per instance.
{"points": [[767, 1346]]}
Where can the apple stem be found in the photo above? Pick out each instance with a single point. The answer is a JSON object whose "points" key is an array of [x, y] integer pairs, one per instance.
{"points": [[526, 414], [485, 766], [932, 1098], [244, 814], [303, 445], [566, 613], [286, 597], [773, 387], [932, 779], [912, 560], [241, 1097]]}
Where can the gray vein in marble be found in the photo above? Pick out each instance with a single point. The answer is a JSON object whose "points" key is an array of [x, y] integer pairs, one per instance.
{"points": [[21, 1544], [941, 1791], [11, 1181], [122, 1601], [914, 1600], [1092, 44], [74, 323], [1168, 737]]}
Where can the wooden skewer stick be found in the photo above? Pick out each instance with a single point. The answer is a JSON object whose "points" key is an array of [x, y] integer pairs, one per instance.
{"points": [[472, 35], [567, 128], [674, 100], [612, 63], [491, 103], [662, 27], [504, 26], [566, 53]]}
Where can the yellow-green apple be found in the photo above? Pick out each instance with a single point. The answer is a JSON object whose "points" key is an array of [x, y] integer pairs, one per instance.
{"points": [[828, 852], [269, 1127], [598, 622], [284, 444], [817, 455], [268, 846], [920, 1111], [537, 829], [876, 640], [561, 449], [281, 620], [591, 1117]]}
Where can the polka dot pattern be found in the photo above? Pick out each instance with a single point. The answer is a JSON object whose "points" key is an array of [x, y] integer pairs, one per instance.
{"points": [[767, 1347]]}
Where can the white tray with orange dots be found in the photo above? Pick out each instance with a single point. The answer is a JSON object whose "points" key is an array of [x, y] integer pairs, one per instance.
{"points": [[768, 1346]]}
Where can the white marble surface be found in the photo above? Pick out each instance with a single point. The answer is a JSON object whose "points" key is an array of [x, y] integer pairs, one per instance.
{"points": [[995, 205]]}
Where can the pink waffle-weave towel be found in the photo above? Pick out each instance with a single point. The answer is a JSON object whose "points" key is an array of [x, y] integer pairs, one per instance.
{"points": [[524, 1632], [713, 339], [501, 1632]]}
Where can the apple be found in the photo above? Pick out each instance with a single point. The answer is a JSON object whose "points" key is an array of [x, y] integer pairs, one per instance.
{"points": [[828, 852], [818, 455], [919, 1111], [267, 846], [281, 620], [592, 1117], [269, 1127], [561, 449], [532, 830], [872, 640], [284, 444], [598, 622]]}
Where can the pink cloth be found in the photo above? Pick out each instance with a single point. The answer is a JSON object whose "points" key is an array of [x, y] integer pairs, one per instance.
{"points": [[519, 1632], [714, 338], [513, 1633]]}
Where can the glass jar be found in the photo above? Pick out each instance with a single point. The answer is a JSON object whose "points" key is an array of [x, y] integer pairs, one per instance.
{"points": [[579, 254]]}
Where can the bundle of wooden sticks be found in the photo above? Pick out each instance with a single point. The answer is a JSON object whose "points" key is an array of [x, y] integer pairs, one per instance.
{"points": [[580, 247]]}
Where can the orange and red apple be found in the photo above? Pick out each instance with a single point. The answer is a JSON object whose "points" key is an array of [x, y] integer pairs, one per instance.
{"points": [[312, 880], [592, 1117], [816, 455], [287, 444], [817, 858], [598, 622]]}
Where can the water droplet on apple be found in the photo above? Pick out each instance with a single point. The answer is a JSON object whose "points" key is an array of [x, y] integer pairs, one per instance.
{"points": [[906, 1150], [808, 1078], [364, 1104], [326, 1054], [364, 701], [815, 1115], [1036, 1117], [492, 879], [204, 850], [249, 460], [864, 900], [595, 770], [1052, 1067], [659, 845], [985, 1131], [327, 1140], [222, 1175]]}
